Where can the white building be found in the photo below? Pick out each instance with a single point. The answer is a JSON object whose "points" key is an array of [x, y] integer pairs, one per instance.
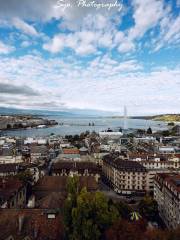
{"points": [[166, 149], [110, 135], [11, 159]]}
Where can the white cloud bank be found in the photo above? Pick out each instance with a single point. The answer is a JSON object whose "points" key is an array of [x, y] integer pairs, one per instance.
{"points": [[103, 85]]}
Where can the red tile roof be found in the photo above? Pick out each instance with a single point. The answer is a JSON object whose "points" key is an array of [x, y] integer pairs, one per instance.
{"points": [[8, 187], [70, 151], [35, 222]]}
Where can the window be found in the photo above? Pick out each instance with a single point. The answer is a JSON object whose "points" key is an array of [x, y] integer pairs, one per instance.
{"points": [[51, 216]]}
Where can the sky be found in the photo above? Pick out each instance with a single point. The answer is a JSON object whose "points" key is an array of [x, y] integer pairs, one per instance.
{"points": [[97, 55]]}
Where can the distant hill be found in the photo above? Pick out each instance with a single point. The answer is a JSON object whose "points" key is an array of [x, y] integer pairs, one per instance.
{"points": [[161, 117], [167, 118], [14, 111], [63, 113]]}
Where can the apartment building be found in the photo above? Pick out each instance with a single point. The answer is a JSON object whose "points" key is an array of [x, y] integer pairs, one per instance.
{"points": [[155, 164], [125, 177], [167, 195], [75, 168]]}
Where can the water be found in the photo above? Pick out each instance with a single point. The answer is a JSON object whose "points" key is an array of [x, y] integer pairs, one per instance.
{"points": [[76, 125]]}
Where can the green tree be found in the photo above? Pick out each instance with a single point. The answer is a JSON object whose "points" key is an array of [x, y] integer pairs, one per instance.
{"points": [[87, 214], [149, 131], [25, 177], [171, 124], [71, 202], [91, 216], [148, 208], [76, 137], [166, 133], [141, 131], [123, 209]]}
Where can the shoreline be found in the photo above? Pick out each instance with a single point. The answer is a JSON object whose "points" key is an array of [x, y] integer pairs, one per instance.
{"points": [[23, 122]]}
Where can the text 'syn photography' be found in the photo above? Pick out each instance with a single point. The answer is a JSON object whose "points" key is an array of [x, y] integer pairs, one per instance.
{"points": [[97, 5]]}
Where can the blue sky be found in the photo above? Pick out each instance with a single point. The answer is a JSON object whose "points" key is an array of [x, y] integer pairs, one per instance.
{"points": [[64, 54]]}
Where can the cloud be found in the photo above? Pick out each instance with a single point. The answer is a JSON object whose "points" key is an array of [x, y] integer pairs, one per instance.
{"points": [[86, 41], [17, 90], [146, 15], [105, 83], [81, 42], [56, 45], [169, 33], [36, 10], [104, 24], [126, 46], [29, 10], [5, 49], [24, 27], [178, 3], [25, 44]]}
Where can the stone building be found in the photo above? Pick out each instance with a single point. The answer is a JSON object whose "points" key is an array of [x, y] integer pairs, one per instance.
{"points": [[167, 195], [78, 168], [125, 177]]}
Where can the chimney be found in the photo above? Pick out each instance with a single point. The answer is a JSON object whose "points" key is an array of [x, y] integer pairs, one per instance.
{"points": [[20, 222]]}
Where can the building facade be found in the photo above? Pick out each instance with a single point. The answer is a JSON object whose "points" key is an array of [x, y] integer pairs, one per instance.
{"points": [[167, 195], [125, 177]]}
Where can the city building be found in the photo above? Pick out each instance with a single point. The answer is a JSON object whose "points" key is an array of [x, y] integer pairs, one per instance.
{"points": [[126, 177], [39, 153], [9, 169], [49, 189], [12, 193], [75, 168], [156, 164], [167, 195]]}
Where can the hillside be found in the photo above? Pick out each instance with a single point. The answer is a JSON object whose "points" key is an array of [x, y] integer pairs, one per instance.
{"points": [[167, 118], [162, 117]]}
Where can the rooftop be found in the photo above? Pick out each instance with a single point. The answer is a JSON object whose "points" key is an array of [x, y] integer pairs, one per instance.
{"points": [[9, 167], [124, 165], [50, 184], [32, 223], [72, 165], [170, 179], [8, 187], [70, 151]]}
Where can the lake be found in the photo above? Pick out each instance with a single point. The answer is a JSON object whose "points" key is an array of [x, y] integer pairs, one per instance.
{"points": [[76, 125]]}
